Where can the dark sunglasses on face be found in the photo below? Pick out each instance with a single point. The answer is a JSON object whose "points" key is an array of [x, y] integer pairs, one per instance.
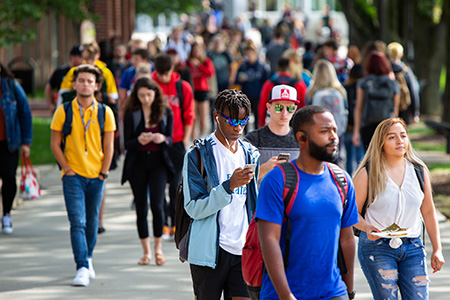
{"points": [[234, 122], [279, 108]]}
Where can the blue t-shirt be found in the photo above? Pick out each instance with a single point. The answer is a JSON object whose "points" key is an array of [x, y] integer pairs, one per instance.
{"points": [[127, 78], [316, 221]]}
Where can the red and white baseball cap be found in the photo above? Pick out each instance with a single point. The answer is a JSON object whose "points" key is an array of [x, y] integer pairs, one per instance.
{"points": [[284, 92]]}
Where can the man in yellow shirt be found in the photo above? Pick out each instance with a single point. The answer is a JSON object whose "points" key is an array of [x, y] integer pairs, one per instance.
{"points": [[85, 163], [91, 53]]}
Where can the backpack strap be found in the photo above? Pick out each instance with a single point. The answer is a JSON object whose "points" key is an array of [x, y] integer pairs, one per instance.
{"points": [[101, 118], [179, 87], [291, 180], [342, 185], [418, 169], [67, 126], [340, 180]]}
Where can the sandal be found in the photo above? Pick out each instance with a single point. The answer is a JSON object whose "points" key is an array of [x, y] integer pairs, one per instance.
{"points": [[145, 260], [160, 259]]}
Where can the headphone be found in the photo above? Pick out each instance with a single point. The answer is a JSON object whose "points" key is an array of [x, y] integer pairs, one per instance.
{"points": [[303, 138], [217, 118]]}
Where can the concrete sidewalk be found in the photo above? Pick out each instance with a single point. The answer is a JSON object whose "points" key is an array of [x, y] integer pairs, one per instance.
{"points": [[36, 261]]}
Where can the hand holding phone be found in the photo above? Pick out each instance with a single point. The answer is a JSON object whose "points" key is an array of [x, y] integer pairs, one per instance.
{"points": [[250, 166], [283, 156]]}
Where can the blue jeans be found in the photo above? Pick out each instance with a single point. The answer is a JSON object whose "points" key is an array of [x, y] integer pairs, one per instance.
{"points": [[354, 154], [83, 197], [389, 270]]}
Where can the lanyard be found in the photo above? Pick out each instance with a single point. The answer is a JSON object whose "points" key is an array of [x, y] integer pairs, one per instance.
{"points": [[86, 127]]}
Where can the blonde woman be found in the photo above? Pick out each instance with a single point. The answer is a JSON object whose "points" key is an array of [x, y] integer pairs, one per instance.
{"points": [[388, 191], [296, 66], [326, 90]]}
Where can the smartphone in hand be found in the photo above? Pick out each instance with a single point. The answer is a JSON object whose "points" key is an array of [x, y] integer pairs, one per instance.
{"points": [[250, 166], [283, 156]]}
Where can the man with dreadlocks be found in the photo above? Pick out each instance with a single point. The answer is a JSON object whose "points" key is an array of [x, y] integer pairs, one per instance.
{"points": [[221, 204]]}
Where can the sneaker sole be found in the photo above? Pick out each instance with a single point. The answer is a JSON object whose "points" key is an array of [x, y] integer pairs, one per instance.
{"points": [[8, 230]]}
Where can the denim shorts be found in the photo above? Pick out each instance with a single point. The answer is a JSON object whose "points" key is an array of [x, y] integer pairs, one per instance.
{"points": [[390, 270]]}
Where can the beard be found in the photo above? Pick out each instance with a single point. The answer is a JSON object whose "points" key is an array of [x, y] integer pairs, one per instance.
{"points": [[321, 153]]}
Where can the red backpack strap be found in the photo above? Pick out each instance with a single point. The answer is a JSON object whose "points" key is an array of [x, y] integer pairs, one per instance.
{"points": [[291, 178], [341, 181]]}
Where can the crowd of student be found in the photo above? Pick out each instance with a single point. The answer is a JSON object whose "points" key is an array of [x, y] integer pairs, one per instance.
{"points": [[150, 102]]}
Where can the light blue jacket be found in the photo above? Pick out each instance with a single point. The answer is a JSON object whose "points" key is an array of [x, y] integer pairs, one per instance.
{"points": [[203, 200], [17, 112]]}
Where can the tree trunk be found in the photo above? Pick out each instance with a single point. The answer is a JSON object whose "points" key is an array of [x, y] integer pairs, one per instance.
{"points": [[363, 28], [446, 17], [429, 58]]}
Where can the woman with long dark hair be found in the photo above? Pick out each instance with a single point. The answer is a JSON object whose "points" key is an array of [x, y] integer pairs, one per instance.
{"points": [[377, 98], [392, 186], [148, 125]]}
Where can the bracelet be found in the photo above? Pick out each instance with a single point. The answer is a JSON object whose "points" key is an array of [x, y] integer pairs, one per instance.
{"points": [[104, 175]]}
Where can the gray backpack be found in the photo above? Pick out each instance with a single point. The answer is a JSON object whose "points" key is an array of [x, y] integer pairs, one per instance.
{"points": [[333, 100]]}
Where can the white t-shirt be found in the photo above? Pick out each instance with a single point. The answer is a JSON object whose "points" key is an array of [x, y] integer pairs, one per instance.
{"points": [[233, 219], [399, 204]]}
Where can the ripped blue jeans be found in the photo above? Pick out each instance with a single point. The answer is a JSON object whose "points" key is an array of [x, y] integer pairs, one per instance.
{"points": [[389, 270]]}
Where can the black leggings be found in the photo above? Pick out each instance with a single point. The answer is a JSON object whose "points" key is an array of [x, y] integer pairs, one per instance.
{"points": [[8, 167], [149, 173]]}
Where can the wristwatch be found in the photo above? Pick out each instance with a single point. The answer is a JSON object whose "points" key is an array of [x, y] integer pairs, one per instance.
{"points": [[352, 295], [104, 175]]}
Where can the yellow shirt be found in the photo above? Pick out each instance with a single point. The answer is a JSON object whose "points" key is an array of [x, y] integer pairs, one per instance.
{"points": [[89, 165], [111, 88]]}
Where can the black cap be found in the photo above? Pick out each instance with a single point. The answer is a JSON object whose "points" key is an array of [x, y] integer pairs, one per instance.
{"points": [[76, 50]]}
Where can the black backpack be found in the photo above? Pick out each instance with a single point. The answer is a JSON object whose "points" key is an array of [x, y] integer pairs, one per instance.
{"points": [[378, 100], [182, 219]]}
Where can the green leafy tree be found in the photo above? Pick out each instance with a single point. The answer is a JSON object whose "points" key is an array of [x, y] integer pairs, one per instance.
{"points": [[17, 17], [419, 25], [155, 7]]}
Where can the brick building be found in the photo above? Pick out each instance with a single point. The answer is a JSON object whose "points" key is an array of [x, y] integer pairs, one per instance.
{"points": [[56, 35]]}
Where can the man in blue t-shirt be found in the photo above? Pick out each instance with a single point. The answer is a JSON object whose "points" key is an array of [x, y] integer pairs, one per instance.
{"points": [[318, 220]]}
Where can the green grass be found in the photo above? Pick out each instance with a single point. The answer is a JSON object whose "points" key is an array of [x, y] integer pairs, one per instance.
{"points": [[442, 80], [420, 146], [420, 131], [40, 146], [39, 94], [437, 167]]}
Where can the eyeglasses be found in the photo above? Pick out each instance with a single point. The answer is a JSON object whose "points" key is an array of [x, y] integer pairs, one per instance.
{"points": [[279, 108], [234, 122]]}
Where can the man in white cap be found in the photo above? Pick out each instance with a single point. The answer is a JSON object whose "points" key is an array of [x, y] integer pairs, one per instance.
{"points": [[277, 137]]}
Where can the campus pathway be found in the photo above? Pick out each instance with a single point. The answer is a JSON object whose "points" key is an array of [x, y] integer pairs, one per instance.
{"points": [[36, 260]]}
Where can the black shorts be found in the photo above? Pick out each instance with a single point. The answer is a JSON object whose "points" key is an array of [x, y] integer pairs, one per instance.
{"points": [[227, 277], [201, 96]]}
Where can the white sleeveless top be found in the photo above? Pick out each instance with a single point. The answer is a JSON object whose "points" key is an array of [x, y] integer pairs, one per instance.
{"points": [[400, 205]]}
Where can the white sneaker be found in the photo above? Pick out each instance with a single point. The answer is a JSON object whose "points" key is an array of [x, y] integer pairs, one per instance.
{"points": [[82, 277], [7, 224], [91, 269]]}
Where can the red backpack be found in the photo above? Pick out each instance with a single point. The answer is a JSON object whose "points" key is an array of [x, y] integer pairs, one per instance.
{"points": [[252, 260]]}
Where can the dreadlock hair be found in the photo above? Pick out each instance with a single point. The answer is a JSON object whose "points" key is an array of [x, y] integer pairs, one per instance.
{"points": [[233, 100]]}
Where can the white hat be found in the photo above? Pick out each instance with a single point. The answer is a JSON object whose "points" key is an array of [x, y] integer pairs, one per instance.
{"points": [[284, 93]]}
